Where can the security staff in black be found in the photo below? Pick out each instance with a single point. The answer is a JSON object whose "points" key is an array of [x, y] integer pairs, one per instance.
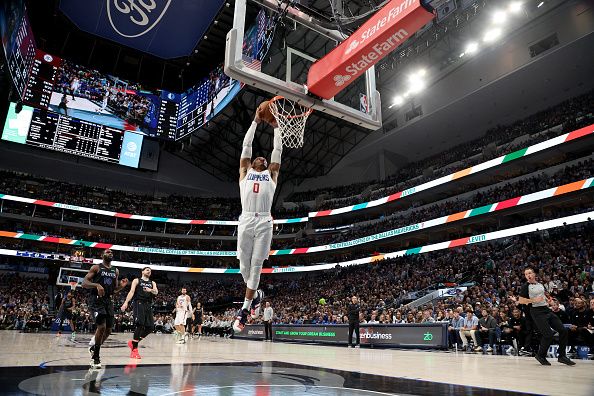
{"points": [[103, 281], [533, 293], [353, 315], [142, 290]]}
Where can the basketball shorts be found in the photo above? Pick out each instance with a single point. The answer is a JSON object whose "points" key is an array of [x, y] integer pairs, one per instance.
{"points": [[66, 314], [198, 321], [254, 235], [102, 309], [180, 317], [143, 314]]}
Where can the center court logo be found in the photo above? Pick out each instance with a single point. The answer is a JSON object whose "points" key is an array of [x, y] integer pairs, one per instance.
{"points": [[134, 18]]}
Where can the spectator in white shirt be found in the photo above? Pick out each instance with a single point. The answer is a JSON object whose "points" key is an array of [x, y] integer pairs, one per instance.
{"points": [[268, 314], [470, 328]]}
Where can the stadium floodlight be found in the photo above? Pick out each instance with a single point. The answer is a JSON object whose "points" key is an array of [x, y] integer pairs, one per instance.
{"points": [[540, 4], [491, 35], [398, 100], [462, 54], [515, 7], [499, 17], [416, 86], [471, 47]]}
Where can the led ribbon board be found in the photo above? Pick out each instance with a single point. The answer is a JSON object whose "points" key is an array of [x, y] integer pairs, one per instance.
{"points": [[510, 203], [491, 236]]}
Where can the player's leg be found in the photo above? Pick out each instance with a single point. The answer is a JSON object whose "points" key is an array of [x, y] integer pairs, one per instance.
{"points": [[245, 245], [260, 253], [72, 321]]}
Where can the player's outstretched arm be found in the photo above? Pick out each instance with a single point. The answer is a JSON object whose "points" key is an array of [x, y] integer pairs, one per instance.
{"points": [[246, 153], [277, 150], [130, 295]]}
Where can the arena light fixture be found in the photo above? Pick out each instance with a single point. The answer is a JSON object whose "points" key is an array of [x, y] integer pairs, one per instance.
{"points": [[499, 17], [492, 35], [398, 100], [540, 4], [416, 86], [515, 7], [471, 47]]}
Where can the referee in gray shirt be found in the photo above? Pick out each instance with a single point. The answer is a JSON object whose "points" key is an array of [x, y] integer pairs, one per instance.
{"points": [[533, 293]]}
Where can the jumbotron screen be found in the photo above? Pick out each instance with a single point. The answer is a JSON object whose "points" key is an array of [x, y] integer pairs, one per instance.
{"points": [[57, 132]]}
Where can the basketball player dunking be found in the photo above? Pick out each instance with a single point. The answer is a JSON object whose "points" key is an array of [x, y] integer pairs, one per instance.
{"points": [[142, 291], [103, 281], [183, 308], [257, 183]]}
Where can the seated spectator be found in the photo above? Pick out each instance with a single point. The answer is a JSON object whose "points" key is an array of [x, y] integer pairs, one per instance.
{"points": [[487, 330], [470, 328], [578, 319], [456, 324]]}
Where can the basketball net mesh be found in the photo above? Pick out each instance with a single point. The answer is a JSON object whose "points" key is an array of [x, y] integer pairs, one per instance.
{"points": [[291, 118]]}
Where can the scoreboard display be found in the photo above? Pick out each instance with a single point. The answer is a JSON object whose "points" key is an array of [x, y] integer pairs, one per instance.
{"points": [[73, 136], [167, 125], [21, 55], [192, 110], [41, 79]]}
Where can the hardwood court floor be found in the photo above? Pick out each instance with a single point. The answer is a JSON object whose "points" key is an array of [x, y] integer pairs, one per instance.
{"points": [[46, 364]]}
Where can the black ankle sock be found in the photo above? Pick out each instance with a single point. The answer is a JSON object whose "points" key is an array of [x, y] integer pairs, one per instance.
{"points": [[96, 351]]}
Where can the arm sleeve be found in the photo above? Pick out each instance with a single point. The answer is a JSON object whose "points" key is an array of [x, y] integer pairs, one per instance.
{"points": [[277, 148], [247, 141]]}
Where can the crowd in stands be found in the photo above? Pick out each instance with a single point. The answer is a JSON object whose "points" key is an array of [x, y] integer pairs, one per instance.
{"points": [[192, 207], [492, 273], [571, 114], [568, 174]]}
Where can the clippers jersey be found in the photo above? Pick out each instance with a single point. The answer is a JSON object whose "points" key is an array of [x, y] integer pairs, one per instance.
{"points": [[182, 303], [257, 191]]}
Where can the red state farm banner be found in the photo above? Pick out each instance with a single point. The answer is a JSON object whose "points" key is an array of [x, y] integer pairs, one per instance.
{"points": [[381, 34]]}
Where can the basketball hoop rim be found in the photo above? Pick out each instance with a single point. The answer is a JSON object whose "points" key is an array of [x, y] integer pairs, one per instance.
{"points": [[304, 114], [73, 285]]}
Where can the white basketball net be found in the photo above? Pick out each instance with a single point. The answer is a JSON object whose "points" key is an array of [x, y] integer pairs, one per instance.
{"points": [[291, 118]]}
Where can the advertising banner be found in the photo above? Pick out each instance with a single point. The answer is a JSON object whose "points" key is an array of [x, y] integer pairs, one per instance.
{"points": [[375, 39], [131, 149], [432, 335]]}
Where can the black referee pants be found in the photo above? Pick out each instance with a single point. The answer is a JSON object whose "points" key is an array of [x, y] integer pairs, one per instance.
{"points": [[268, 329], [547, 323], [354, 327]]}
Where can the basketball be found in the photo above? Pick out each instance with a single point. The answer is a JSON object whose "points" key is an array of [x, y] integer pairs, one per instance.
{"points": [[265, 114]]}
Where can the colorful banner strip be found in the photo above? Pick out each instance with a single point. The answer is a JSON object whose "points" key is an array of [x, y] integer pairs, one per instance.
{"points": [[491, 236], [509, 203], [381, 201], [460, 174]]}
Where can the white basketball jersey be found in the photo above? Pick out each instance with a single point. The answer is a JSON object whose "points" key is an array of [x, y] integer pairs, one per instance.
{"points": [[257, 191], [182, 302]]}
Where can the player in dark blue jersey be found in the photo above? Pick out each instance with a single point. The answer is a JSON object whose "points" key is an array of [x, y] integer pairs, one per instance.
{"points": [[104, 283], [142, 291]]}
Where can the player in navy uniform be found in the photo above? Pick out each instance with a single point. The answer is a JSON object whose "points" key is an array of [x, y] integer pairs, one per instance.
{"points": [[142, 291], [67, 312], [103, 281]]}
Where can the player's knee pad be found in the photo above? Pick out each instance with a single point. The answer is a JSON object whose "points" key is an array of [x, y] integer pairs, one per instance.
{"points": [[254, 278]]}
